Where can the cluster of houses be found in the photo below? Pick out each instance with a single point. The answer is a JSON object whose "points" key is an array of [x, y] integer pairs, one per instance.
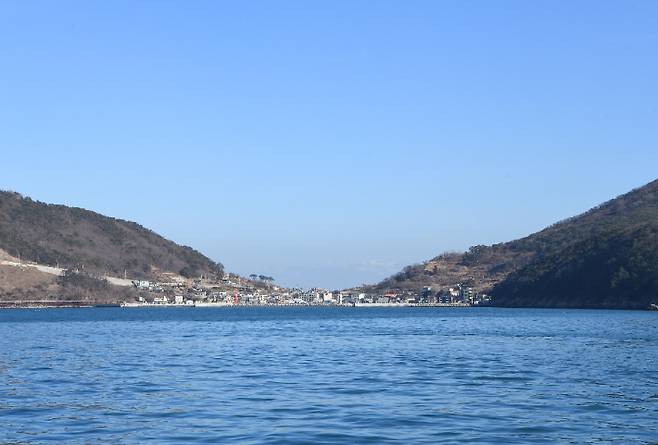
{"points": [[458, 295], [234, 292]]}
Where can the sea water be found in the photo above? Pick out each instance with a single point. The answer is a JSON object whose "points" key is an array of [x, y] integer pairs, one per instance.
{"points": [[327, 375]]}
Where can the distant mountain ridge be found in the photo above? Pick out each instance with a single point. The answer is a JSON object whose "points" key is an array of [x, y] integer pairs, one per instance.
{"points": [[605, 257], [74, 237]]}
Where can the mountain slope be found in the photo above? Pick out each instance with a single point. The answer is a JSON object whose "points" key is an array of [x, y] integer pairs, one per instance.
{"points": [[618, 222], [617, 268], [74, 237]]}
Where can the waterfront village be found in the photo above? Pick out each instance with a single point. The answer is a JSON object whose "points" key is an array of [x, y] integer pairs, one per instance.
{"points": [[232, 290]]}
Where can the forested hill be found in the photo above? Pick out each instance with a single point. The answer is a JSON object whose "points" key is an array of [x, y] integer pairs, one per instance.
{"points": [[74, 237], [562, 264], [616, 268]]}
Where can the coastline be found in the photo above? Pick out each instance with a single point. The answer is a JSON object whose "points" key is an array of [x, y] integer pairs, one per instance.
{"points": [[70, 305]]}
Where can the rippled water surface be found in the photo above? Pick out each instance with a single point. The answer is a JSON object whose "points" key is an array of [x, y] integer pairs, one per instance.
{"points": [[327, 375]]}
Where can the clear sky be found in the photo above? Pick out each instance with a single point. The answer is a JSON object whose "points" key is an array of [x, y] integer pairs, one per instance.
{"points": [[329, 143]]}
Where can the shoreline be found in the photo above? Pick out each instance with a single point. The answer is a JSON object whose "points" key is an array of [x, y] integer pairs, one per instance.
{"points": [[17, 305]]}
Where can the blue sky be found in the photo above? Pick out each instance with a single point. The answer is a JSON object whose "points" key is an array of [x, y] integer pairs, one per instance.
{"points": [[329, 143]]}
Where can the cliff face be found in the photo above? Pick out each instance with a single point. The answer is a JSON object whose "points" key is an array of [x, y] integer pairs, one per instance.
{"points": [[72, 237], [602, 258]]}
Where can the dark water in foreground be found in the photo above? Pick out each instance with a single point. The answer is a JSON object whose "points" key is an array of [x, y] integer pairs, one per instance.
{"points": [[353, 375]]}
